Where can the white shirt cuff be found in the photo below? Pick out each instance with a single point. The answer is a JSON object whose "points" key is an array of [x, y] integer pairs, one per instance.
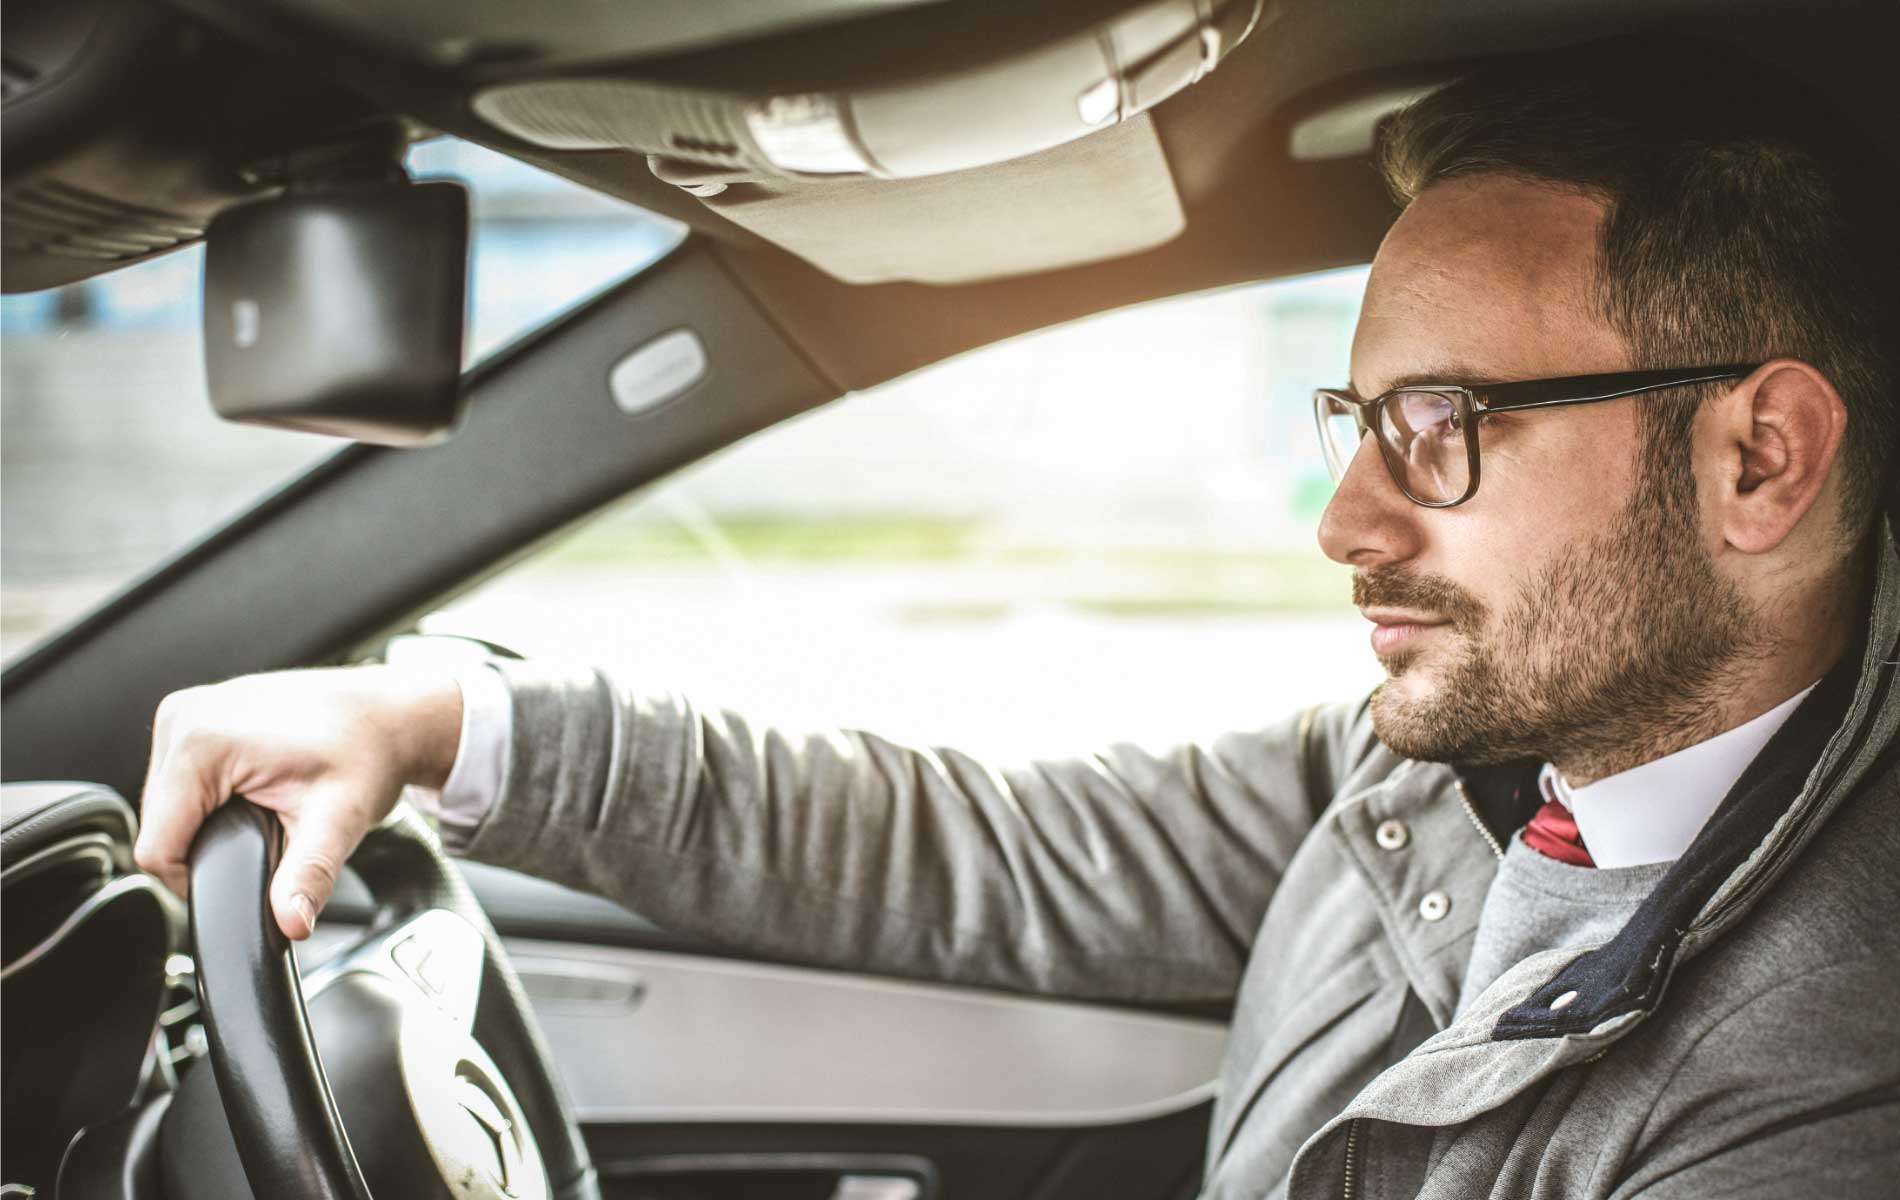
{"points": [[481, 753]]}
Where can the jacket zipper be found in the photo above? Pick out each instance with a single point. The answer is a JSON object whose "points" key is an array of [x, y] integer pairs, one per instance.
{"points": [[1471, 810], [1352, 1154], [1349, 1185]]}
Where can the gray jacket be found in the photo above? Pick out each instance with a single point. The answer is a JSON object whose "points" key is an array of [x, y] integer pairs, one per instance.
{"points": [[1739, 1037]]}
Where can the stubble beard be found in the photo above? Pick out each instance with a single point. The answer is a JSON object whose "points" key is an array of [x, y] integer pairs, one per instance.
{"points": [[1608, 656]]}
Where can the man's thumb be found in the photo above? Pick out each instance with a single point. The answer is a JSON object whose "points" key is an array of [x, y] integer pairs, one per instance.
{"points": [[317, 843]]}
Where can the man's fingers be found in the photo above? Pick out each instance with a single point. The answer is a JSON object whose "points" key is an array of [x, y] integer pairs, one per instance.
{"points": [[177, 799], [318, 841], [161, 741], [289, 741]]}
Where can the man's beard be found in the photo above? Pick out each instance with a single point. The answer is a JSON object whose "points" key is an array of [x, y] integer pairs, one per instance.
{"points": [[1609, 655]]}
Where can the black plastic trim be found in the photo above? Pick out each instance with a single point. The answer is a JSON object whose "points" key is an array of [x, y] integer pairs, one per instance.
{"points": [[1154, 1159]]}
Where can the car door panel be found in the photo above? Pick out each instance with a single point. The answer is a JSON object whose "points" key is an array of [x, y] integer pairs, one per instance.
{"points": [[648, 1036], [702, 1076]]}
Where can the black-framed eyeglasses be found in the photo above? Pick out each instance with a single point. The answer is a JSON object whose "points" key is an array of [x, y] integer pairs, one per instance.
{"points": [[1428, 433]]}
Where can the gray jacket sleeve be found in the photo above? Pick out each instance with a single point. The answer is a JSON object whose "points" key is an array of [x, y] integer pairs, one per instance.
{"points": [[1126, 875]]}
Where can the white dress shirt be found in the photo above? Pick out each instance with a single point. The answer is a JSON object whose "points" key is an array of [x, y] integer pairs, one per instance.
{"points": [[481, 753], [1650, 814]]}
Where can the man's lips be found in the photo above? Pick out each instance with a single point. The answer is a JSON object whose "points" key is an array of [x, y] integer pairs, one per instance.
{"points": [[1393, 629]]}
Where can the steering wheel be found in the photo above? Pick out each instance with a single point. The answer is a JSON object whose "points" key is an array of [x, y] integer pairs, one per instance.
{"points": [[423, 1111]]}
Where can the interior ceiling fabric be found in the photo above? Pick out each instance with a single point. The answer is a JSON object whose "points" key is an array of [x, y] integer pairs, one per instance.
{"points": [[1103, 196]]}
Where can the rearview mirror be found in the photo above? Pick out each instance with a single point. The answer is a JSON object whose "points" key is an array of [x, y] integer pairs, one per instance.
{"points": [[339, 310]]}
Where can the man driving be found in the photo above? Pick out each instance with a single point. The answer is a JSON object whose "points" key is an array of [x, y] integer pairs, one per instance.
{"points": [[1591, 897]]}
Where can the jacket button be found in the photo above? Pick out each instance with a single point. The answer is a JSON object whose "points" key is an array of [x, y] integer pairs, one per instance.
{"points": [[1392, 835], [1434, 905]]}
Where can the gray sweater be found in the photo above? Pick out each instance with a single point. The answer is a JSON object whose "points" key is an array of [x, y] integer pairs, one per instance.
{"points": [[1537, 903]]}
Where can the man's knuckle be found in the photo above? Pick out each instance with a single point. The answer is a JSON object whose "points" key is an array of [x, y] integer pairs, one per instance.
{"points": [[197, 742], [179, 705], [323, 867]]}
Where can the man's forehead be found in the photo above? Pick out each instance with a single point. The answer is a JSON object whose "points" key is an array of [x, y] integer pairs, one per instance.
{"points": [[1486, 277]]}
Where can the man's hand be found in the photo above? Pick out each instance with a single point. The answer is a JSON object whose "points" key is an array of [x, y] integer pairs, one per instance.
{"points": [[328, 750]]}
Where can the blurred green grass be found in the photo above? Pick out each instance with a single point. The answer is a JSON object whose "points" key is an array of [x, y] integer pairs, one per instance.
{"points": [[1132, 581], [772, 537]]}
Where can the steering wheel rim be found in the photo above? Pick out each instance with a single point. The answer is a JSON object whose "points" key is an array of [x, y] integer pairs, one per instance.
{"points": [[283, 1116]]}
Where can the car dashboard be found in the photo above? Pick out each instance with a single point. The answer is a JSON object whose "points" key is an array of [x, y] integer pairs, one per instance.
{"points": [[97, 1005]]}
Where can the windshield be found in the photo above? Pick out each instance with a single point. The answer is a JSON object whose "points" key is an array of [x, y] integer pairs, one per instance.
{"points": [[1030, 549], [111, 460]]}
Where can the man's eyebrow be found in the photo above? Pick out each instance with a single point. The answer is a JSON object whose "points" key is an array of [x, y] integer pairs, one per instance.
{"points": [[1448, 376]]}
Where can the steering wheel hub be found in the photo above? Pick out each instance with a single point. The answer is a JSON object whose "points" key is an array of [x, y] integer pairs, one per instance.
{"points": [[469, 1121]]}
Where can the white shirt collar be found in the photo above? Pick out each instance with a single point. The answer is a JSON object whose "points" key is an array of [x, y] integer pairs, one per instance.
{"points": [[1651, 813]]}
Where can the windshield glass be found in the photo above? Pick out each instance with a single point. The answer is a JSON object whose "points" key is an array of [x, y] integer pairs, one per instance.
{"points": [[1029, 549], [111, 459]]}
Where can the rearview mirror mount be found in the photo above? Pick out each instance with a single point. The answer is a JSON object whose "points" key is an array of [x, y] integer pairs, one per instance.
{"points": [[338, 309]]}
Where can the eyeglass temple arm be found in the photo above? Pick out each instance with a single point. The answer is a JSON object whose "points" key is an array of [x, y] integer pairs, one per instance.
{"points": [[1585, 389]]}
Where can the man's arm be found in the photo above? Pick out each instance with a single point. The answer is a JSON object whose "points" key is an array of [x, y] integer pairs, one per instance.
{"points": [[1124, 875], [1849, 1154], [1794, 1093]]}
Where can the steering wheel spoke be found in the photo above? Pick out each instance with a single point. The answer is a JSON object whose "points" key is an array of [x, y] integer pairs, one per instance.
{"points": [[434, 957]]}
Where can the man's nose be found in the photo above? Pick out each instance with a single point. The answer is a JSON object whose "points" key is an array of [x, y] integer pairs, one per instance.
{"points": [[1369, 521]]}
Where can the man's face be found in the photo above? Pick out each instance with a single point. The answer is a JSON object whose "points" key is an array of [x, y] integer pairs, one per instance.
{"points": [[1571, 609]]}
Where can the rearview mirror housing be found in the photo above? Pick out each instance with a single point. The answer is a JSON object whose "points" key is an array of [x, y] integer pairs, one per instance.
{"points": [[340, 310]]}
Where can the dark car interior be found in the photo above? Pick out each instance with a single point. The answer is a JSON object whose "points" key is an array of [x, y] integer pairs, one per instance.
{"points": [[871, 186]]}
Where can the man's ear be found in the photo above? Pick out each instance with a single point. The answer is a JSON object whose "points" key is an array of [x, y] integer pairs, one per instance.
{"points": [[1775, 436]]}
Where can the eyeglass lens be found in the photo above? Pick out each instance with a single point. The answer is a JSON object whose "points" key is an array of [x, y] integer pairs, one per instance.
{"points": [[1421, 438], [1339, 436]]}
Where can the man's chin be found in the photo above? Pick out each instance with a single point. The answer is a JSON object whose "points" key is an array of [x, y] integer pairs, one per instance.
{"points": [[1407, 681], [1410, 718]]}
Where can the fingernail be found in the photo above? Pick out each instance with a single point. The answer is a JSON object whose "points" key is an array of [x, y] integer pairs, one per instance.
{"points": [[307, 911]]}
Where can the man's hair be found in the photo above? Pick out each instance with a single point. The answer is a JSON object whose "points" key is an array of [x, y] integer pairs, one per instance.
{"points": [[1742, 223]]}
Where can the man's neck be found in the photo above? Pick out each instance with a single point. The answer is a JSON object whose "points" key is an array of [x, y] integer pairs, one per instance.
{"points": [[1739, 695], [1618, 816]]}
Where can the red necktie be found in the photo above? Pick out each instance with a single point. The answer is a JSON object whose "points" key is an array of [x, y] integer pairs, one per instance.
{"points": [[1553, 833]]}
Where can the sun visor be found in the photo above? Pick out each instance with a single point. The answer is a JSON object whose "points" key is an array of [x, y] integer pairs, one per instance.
{"points": [[976, 165], [1014, 101], [1101, 197]]}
